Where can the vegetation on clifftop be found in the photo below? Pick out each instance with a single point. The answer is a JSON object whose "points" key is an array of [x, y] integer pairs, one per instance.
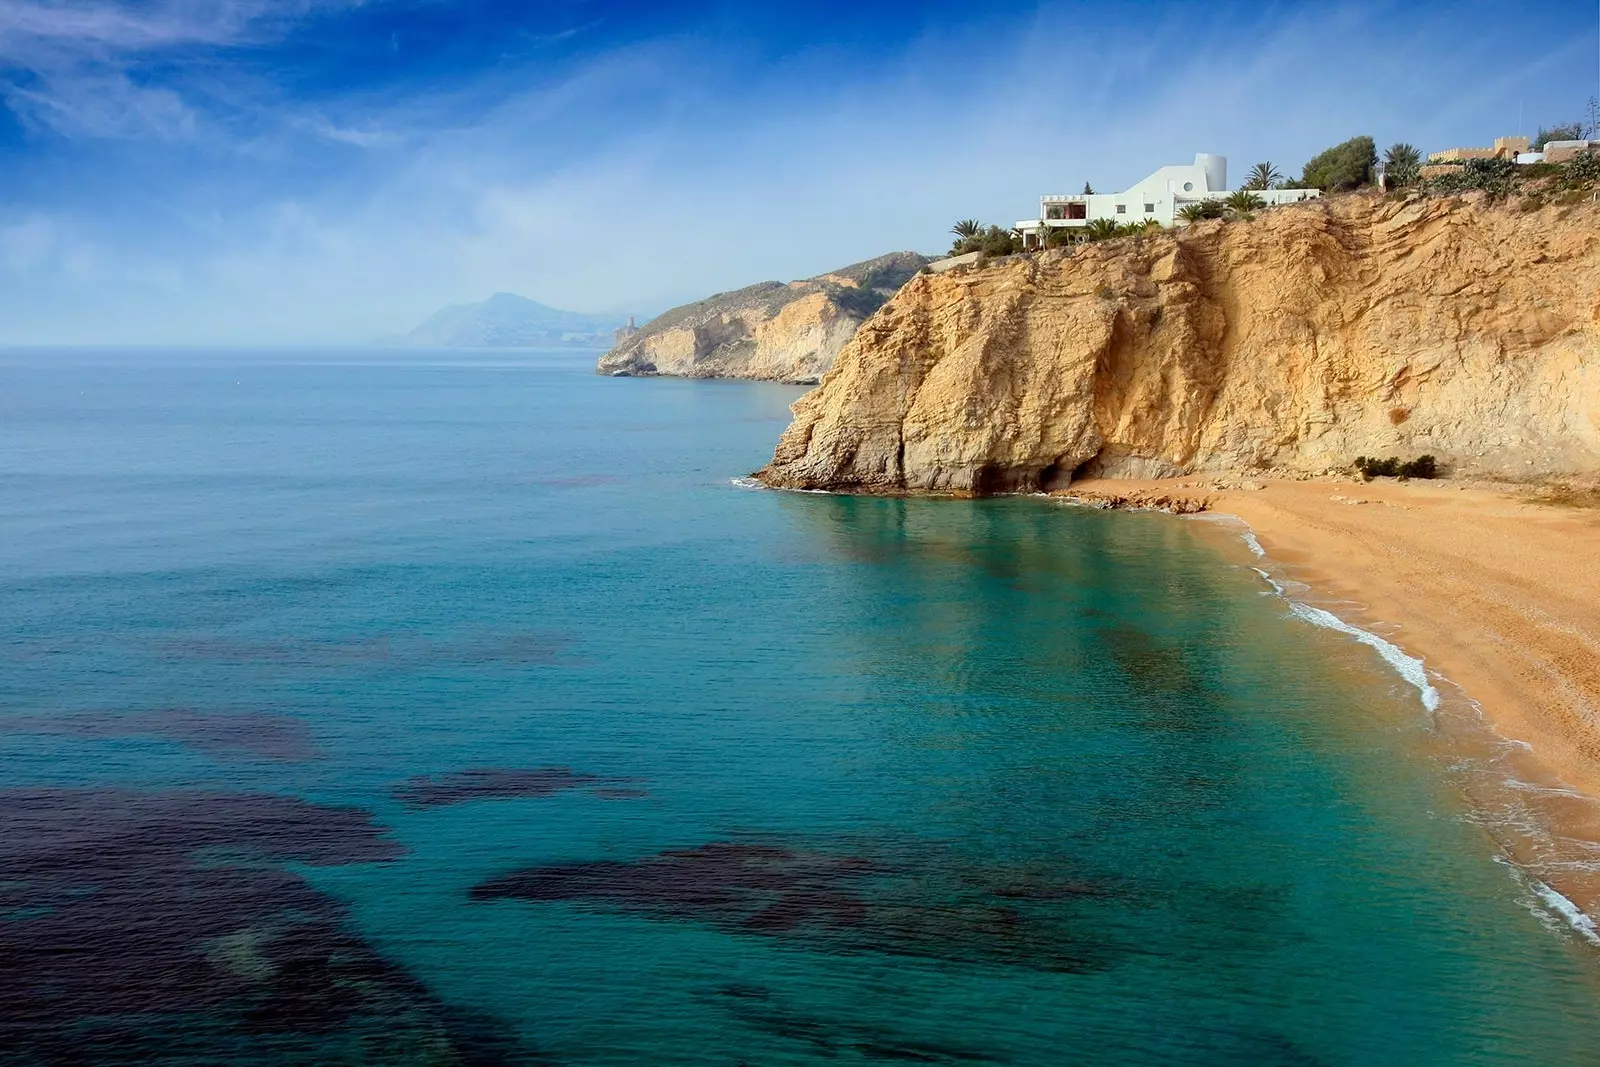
{"points": [[1344, 166]]}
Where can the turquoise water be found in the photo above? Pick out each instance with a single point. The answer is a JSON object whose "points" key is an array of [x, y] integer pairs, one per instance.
{"points": [[429, 707]]}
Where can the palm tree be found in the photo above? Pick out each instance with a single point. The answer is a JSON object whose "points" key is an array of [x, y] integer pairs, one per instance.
{"points": [[1243, 204], [1060, 236], [1192, 212], [1137, 228], [1088, 190], [967, 228], [1101, 230], [1263, 176], [1402, 164]]}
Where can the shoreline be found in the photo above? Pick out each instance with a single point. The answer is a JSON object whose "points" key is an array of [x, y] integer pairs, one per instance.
{"points": [[1496, 598]]}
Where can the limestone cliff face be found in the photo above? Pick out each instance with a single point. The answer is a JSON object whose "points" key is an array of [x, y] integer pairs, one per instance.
{"points": [[1301, 339], [772, 331]]}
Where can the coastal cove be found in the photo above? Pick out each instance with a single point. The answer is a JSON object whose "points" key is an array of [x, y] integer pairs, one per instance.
{"points": [[472, 687]]}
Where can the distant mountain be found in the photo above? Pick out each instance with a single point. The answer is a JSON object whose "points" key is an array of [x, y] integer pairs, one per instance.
{"points": [[506, 320]]}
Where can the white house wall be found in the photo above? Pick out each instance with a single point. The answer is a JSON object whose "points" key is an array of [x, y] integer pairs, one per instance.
{"points": [[1159, 197]]}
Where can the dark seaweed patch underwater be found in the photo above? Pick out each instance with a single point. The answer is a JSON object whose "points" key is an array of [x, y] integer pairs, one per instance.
{"points": [[163, 927], [833, 902]]}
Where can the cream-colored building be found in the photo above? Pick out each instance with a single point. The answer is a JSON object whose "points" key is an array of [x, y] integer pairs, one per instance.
{"points": [[1504, 148]]}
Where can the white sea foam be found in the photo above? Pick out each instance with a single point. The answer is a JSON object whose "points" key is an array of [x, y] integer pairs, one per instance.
{"points": [[1409, 667], [1255, 546], [756, 483], [1524, 786], [1277, 586], [1574, 915]]}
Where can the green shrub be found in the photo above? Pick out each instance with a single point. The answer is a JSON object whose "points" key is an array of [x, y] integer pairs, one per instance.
{"points": [[1344, 166], [1370, 468], [1582, 170], [1497, 177], [1203, 209], [1059, 236], [991, 240], [1421, 467]]}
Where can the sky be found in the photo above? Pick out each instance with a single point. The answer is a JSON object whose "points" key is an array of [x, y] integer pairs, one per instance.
{"points": [[264, 172]]}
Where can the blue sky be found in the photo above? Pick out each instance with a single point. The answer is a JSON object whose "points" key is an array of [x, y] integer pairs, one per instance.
{"points": [[323, 171]]}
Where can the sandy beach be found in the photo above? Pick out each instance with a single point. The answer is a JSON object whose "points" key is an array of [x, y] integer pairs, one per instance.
{"points": [[1496, 592]]}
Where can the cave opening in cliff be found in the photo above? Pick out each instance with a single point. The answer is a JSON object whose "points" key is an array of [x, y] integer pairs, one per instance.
{"points": [[1054, 477], [991, 478]]}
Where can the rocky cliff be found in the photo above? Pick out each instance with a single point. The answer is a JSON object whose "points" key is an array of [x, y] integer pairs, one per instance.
{"points": [[787, 332], [1300, 339]]}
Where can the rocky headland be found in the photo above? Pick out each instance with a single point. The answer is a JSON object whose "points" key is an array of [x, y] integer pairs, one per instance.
{"points": [[774, 331], [1354, 325]]}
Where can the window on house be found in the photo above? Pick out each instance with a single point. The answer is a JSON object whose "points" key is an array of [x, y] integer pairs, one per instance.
{"points": [[1122, 209], [1149, 209]]}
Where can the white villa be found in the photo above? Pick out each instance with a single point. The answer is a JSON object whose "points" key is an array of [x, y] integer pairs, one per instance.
{"points": [[1160, 197]]}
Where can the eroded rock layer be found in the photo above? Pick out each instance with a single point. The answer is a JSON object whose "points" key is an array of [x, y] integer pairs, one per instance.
{"points": [[1310, 335], [774, 331]]}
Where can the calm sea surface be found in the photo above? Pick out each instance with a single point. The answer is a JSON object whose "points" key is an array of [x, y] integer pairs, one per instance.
{"points": [[457, 708]]}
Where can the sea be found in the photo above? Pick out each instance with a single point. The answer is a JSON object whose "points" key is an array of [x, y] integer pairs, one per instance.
{"points": [[465, 707]]}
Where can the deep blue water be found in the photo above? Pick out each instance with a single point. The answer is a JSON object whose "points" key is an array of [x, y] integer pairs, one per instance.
{"points": [[443, 708]]}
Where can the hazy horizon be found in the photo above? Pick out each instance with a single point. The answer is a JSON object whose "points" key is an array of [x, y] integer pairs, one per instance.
{"points": [[326, 172]]}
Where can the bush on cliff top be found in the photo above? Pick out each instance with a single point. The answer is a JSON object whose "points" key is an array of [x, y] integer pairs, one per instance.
{"points": [[991, 241], [1344, 166], [1497, 177]]}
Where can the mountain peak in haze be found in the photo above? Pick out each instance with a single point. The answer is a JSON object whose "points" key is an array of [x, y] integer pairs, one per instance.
{"points": [[507, 320]]}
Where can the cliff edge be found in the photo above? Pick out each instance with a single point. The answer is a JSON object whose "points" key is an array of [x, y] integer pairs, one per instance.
{"points": [[1312, 334], [776, 331]]}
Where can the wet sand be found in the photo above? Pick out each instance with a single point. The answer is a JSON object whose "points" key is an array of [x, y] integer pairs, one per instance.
{"points": [[1497, 593]]}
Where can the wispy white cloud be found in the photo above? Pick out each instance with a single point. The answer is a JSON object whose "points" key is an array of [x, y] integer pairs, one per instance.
{"points": [[640, 179], [320, 126], [68, 67], [102, 104]]}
